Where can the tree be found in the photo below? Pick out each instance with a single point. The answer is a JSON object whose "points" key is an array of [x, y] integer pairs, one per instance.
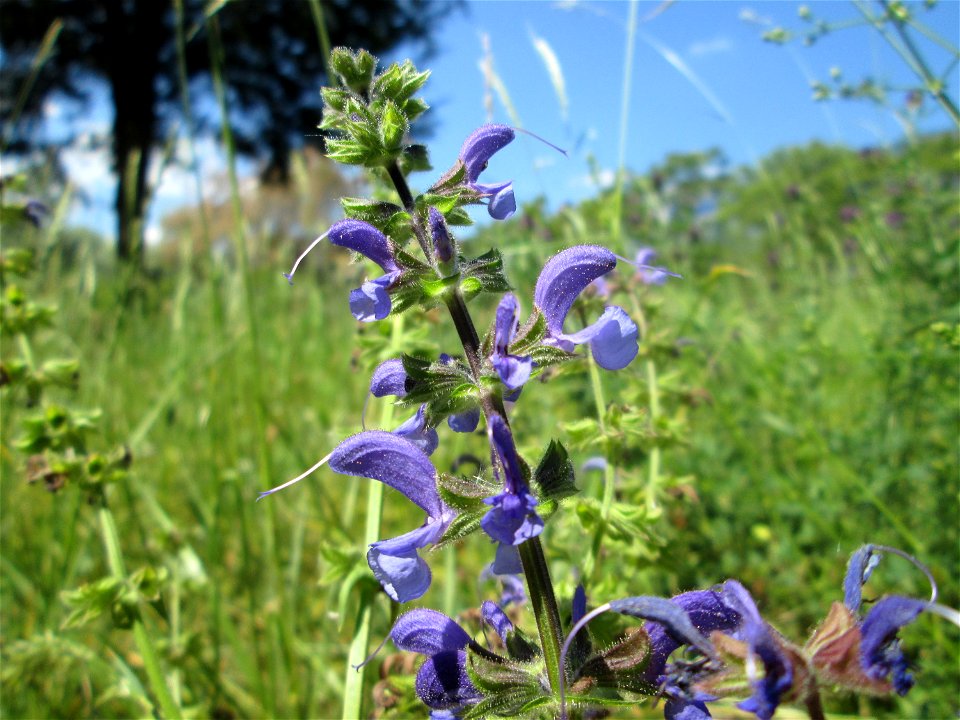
{"points": [[273, 68]]}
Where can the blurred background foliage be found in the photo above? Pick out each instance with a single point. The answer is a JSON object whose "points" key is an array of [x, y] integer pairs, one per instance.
{"points": [[807, 376]]}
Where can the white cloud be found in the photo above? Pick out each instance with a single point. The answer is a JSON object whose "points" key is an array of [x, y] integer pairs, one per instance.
{"points": [[719, 44], [604, 178]]}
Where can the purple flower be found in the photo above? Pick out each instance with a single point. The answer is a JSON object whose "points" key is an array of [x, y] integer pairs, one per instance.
{"points": [[416, 430], [511, 518], [707, 612], [513, 370], [442, 681], [880, 653], [403, 466], [389, 378], [476, 152], [650, 275], [777, 670], [612, 338], [370, 301]]}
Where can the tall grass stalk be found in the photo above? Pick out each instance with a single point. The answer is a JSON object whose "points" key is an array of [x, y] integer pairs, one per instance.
{"points": [[148, 652]]}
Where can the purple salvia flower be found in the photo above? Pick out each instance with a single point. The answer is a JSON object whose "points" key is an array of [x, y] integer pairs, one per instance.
{"points": [[476, 152], [403, 466], [511, 518], [777, 670], [442, 682], [612, 338], [513, 591], [880, 652], [513, 370], [371, 300], [859, 568], [389, 378]]}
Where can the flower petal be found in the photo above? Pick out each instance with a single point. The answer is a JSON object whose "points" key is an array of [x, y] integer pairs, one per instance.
{"points": [[389, 378], [506, 561], [383, 456], [482, 144], [397, 565], [465, 422], [428, 632], [612, 338], [777, 669], [417, 431], [512, 519], [513, 370], [502, 202], [371, 301], [365, 239], [859, 568], [564, 277], [442, 242], [496, 618], [442, 681], [880, 653]]}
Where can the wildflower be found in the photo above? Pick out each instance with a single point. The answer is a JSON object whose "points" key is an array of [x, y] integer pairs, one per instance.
{"points": [[371, 300], [476, 152], [612, 338], [650, 275], [761, 643], [513, 370], [512, 518], [396, 462], [442, 682], [880, 653]]}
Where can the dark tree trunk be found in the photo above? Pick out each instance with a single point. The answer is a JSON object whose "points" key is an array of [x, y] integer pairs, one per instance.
{"points": [[135, 40]]}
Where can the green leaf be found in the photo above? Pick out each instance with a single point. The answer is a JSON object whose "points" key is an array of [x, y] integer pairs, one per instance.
{"points": [[554, 474], [355, 69], [414, 158], [619, 667], [466, 494], [499, 676], [399, 82]]}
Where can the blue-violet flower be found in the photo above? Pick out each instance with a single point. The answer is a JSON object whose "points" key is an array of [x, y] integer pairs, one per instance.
{"points": [[511, 519], [513, 370], [476, 152], [612, 338]]}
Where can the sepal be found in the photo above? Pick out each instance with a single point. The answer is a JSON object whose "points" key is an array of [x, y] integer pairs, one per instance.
{"points": [[356, 69], [554, 476], [619, 667], [483, 274]]}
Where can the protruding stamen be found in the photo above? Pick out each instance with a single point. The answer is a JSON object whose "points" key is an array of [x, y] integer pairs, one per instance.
{"points": [[296, 264], [545, 142], [297, 479], [652, 268], [916, 563]]}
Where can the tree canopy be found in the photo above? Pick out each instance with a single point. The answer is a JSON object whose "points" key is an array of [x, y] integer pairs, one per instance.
{"points": [[273, 66]]}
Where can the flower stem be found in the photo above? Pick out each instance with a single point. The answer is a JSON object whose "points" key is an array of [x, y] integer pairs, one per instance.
{"points": [[544, 602], [148, 653]]}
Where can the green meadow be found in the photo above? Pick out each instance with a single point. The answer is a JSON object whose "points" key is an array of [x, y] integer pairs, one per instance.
{"points": [[796, 391]]}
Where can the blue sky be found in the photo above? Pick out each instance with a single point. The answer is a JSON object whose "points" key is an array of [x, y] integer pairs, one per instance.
{"points": [[725, 88]]}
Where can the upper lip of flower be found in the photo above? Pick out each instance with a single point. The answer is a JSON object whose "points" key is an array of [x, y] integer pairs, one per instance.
{"points": [[612, 338], [386, 457]]}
